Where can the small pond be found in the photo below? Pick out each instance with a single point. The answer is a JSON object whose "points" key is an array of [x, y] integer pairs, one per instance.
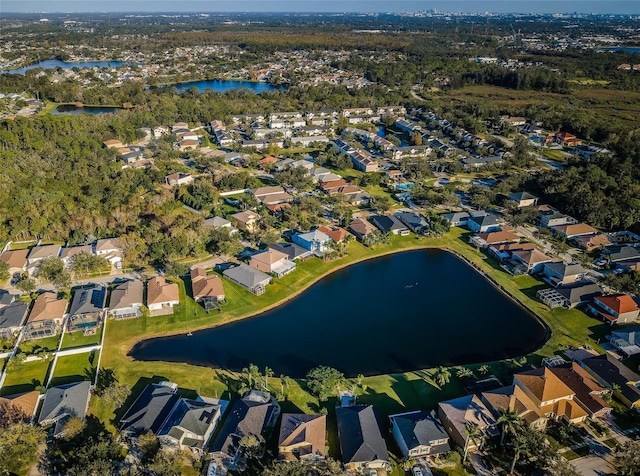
{"points": [[396, 313], [71, 110], [55, 63], [221, 86]]}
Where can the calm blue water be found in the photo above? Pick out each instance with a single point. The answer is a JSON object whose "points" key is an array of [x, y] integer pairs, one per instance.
{"points": [[396, 313], [71, 110], [625, 49], [220, 86], [54, 63]]}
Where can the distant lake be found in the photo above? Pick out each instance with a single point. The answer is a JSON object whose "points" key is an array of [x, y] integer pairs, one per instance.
{"points": [[396, 313], [222, 85], [54, 63], [629, 49], [71, 110]]}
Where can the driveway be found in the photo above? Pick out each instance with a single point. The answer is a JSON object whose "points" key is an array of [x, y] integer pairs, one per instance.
{"points": [[593, 466]]}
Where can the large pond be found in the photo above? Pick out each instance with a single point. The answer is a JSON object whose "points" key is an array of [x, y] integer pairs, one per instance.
{"points": [[396, 313], [54, 63], [221, 85]]}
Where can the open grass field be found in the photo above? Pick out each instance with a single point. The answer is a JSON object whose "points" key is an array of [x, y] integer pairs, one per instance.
{"points": [[78, 339], [74, 368], [610, 104], [49, 343]]}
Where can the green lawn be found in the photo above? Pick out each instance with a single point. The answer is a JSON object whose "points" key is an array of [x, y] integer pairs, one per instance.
{"points": [[556, 155], [74, 368], [26, 378], [78, 339], [50, 343]]}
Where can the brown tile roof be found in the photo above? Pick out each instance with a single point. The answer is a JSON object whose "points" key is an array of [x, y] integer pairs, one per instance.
{"points": [[621, 303], [269, 256], [336, 233], [204, 285], [544, 385], [158, 290], [593, 241], [75, 250], [532, 256], [499, 236], [361, 226], [585, 389], [25, 402], [575, 229], [15, 258], [514, 246], [47, 306], [245, 217], [44, 251], [327, 186], [307, 433]]}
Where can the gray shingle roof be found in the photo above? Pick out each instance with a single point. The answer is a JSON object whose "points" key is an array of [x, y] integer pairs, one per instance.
{"points": [[387, 223], [13, 315], [88, 299], [150, 409], [246, 275], [191, 416], [581, 293], [359, 432], [613, 371], [64, 402], [420, 428]]}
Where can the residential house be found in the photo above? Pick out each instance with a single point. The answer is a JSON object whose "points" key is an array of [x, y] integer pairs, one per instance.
{"points": [[24, 403], [161, 296], [126, 300], [87, 308], [482, 240], [178, 178], [46, 316], [190, 425], [361, 443], [314, 241], [457, 413], [251, 279], [587, 392], [207, 289], [566, 139], [246, 220], [187, 144], [38, 253], [483, 223], [361, 228], [389, 224], [219, 222], [293, 251], [627, 341], [591, 243], [622, 254], [271, 195], [457, 218], [569, 296], [150, 410], [273, 262], [612, 374], [309, 141], [67, 254], [337, 234], [532, 260], [615, 308], [302, 437], [253, 414], [159, 131], [63, 403], [12, 318], [416, 223], [574, 230], [6, 298], [363, 161], [419, 434], [113, 144], [15, 259], [178, 126], [111, 250], [524, 199], [548, 217], [561, 273]]}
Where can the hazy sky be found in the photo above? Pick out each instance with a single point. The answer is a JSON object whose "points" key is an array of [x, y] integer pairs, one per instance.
{"points": [[524, 6]]}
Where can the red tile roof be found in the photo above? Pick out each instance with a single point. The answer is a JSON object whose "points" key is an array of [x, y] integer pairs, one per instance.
{"points": [[620, 303]]}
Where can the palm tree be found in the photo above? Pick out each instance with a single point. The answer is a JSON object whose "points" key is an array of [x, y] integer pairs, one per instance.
{"points": [[473, 432], [510, 422], [484, 369], [518, 446], [442, 376], [464, 372], [267, 373]]}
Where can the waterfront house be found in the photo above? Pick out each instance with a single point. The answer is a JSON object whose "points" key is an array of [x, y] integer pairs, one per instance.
{"points": [[161, 296], [39, 253], [561, 273], [389, 224], [569, 296], [302, 437], [15, 259], [87, 308], [615, 308], [612, 374], [416, 223], [246, 220], [12, 318], [419, 434], [483, 240], [253, 414], [337, 234], [126, 300], [251, 279], [457, 218], [361, 228], [457, 413], [63, 403], [273, 262], [206, 288], [314, 241], [293, 251], [150, 410], [483, 223], [532, 260], [46, 316], [361, 443]]}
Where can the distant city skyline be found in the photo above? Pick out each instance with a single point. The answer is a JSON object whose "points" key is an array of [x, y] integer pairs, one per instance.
{"points": [[299, 6]]}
